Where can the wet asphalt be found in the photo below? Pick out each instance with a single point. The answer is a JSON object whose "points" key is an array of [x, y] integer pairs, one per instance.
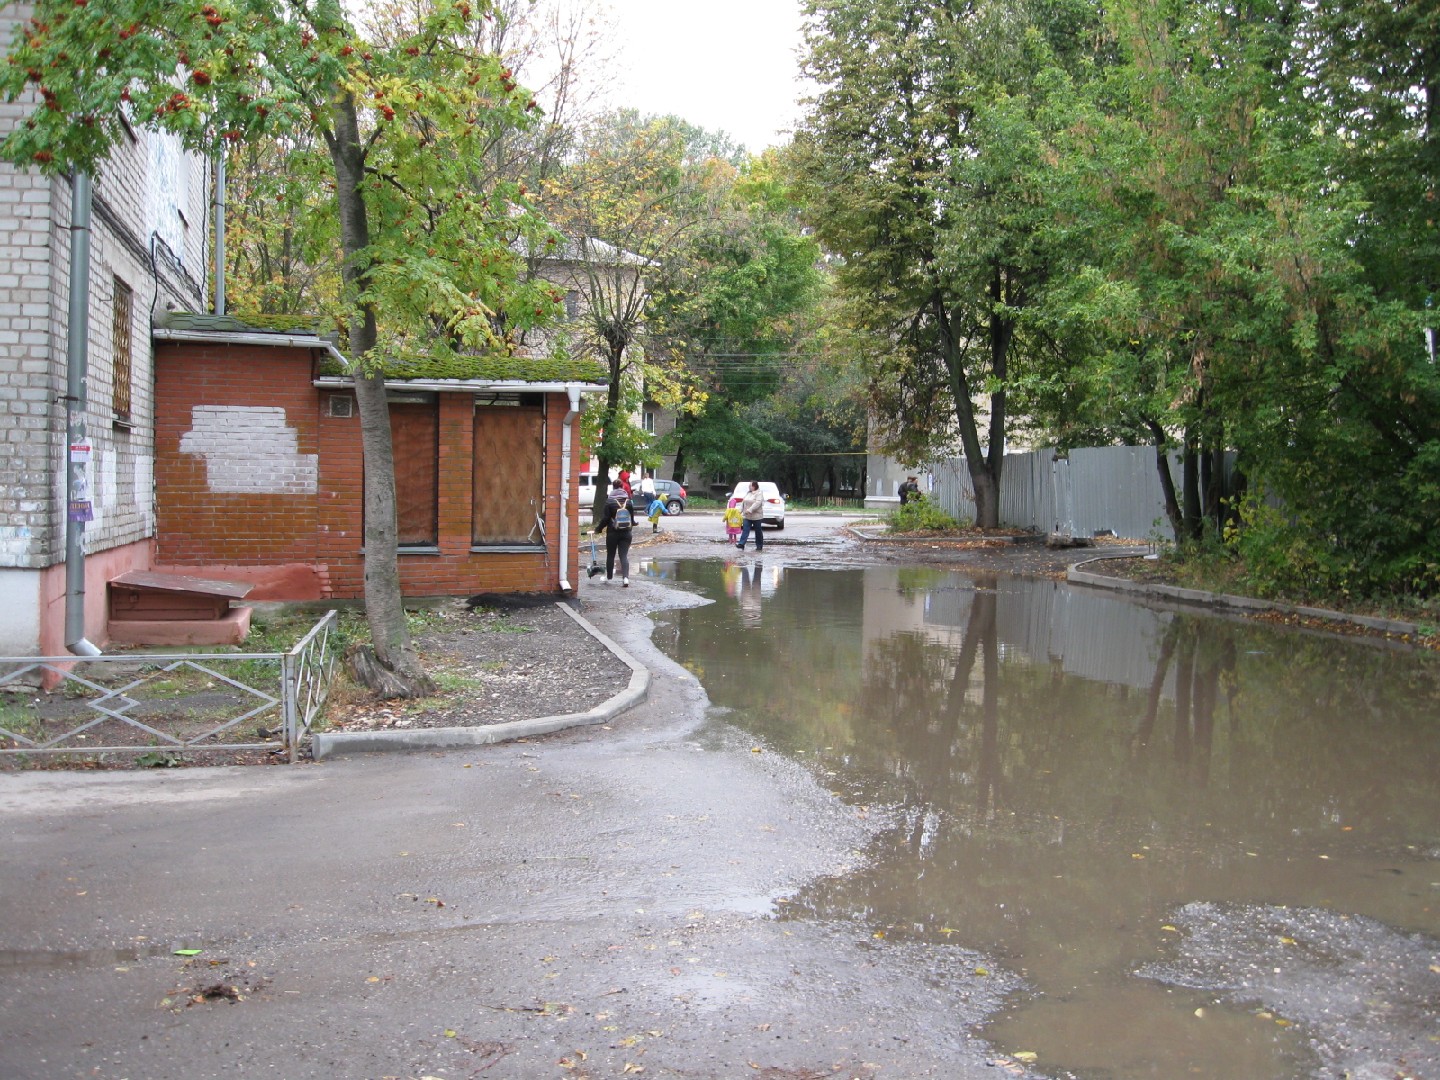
{"points": [[589, 904], [604, 902]]}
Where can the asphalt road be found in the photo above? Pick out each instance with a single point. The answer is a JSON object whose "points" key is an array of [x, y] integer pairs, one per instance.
{"points": [[606, 902]]}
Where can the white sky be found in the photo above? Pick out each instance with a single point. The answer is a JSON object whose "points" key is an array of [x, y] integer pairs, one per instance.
{"points": [[725, 65]]}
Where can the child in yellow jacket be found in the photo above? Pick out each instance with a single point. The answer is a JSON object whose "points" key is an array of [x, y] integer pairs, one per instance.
{"points": [[733, 520]]}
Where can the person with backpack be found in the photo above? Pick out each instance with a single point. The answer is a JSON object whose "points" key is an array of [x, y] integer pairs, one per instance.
{"points": [[654, 510], [618, 524]]}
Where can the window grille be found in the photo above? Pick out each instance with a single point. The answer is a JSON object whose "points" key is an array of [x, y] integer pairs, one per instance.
{"points": [[121, 356]]}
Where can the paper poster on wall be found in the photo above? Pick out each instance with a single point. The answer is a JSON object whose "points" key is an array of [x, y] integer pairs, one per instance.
{"points": [[81, 508]]}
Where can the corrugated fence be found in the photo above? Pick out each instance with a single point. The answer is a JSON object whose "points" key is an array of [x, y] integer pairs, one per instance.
{"points": [[1083, 493]]}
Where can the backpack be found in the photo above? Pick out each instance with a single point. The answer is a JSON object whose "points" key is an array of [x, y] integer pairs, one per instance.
{"points": [[623, 518]]}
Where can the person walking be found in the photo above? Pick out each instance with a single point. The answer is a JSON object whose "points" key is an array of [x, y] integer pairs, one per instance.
{"points": [[752, 509], [910, 489], [654, 508], [618, 524]]}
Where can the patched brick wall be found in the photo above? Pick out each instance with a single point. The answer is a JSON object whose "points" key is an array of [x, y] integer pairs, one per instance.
{"points": [[236, 455], [221, 407]]}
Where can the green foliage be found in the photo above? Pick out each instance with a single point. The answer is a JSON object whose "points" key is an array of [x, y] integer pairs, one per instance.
{"points": [[922, 164], [435, 255], [1229, 241], [921, 514]]}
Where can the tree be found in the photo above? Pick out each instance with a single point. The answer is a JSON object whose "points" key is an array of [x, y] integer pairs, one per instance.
{"points": [[918, 163], [401, 122], [279, 235], [1243, 273], [625, 202], [734, 311]]}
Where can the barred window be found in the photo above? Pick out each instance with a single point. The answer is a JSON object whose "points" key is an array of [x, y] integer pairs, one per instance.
{"points": [[124, 309]]}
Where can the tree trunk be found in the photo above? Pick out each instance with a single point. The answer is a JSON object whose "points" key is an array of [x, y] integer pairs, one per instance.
{"points": [[1167, 482], [985, 482], [384, 607], [1190, 477], [614, 361]]}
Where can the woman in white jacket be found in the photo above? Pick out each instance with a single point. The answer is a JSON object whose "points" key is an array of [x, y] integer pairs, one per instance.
{"points": [[752, 508]]}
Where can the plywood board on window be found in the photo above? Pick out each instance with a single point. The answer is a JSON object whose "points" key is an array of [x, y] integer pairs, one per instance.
{"points": [[508, 492], [415, 435]]}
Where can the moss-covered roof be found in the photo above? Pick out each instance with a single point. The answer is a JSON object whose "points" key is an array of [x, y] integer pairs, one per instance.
{"points": [[484, 369], [241, 324], [442, 365]]}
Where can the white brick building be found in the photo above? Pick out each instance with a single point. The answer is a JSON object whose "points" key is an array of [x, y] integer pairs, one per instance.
{"points": [[149, 251]]}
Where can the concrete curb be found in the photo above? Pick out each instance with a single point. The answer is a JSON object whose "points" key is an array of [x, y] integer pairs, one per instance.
{"points": [[1246, 605], [325, 744]]}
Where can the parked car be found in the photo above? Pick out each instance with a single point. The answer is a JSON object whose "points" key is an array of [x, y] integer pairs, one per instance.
{"points": [[674, 495], [774, 501], [585, 500]]}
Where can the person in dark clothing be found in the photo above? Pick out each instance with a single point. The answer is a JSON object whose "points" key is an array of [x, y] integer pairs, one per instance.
{"points": [[908, 490], [618, 525]]}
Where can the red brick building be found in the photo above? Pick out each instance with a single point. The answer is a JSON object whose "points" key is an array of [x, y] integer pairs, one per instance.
{"points": [[259, 475]]}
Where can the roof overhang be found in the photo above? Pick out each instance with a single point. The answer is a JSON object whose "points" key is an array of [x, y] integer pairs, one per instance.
{"points": [[468, 386], [244, 337], [344, 382]]}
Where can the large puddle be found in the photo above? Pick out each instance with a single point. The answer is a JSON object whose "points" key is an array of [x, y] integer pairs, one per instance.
{"points": [[1069, 770]]}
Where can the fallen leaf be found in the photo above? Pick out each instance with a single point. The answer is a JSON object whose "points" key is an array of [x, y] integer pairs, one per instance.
{"points": [[188, 952], [450, 1033], [1025, 1055]]}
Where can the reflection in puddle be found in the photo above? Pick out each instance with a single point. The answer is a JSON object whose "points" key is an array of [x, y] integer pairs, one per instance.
{"points": [[1070, 769]]}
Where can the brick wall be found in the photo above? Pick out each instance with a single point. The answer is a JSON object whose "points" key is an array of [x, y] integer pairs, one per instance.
{"points": [[257, 480], [34, 330]]}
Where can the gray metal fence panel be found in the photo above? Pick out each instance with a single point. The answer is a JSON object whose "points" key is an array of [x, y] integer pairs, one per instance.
{"points": [[1088, 491], [145, 703]]}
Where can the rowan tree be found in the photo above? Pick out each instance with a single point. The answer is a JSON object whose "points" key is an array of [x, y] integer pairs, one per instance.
{"points": [[400, 121]]}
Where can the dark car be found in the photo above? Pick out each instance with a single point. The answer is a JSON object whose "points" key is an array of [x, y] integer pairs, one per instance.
{"points": [[674, 495]]}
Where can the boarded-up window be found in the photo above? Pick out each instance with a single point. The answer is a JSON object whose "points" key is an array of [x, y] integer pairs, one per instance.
{"points": [[415, 434], [123, 310], [508, 494]]}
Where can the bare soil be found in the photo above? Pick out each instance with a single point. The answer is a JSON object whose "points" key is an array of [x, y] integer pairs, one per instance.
{"points": [[494, 666]]}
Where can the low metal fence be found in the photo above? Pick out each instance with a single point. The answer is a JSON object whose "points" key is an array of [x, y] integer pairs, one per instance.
{"points": [[168, 703]]}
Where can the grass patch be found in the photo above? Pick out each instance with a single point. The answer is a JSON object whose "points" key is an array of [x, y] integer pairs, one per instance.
{"points": [[1218, 571]]}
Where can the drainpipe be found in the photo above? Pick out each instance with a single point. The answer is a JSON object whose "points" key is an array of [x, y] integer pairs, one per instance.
{"points": [[220, 231], [77, 354], [565, 432]]}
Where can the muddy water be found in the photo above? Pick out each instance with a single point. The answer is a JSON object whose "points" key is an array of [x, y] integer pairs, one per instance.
{"points": [[1066, 769]]}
